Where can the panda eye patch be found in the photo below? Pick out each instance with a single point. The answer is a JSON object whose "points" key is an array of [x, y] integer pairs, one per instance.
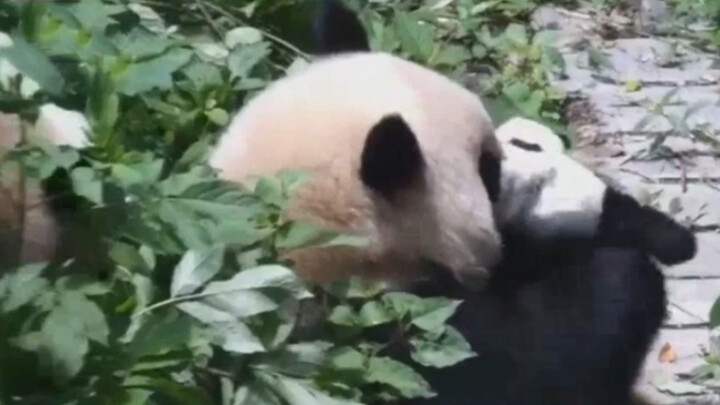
{"points": [[530, 147]]}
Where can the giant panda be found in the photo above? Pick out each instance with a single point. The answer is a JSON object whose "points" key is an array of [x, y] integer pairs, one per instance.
{"points": [[568, 315], [394, 151]]}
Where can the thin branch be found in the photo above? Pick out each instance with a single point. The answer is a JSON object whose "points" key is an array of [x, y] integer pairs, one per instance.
{"points": [[275, 38], [209, 20]]}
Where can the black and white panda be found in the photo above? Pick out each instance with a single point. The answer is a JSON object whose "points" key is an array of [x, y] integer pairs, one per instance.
{"points": [[569, 314], [395, 151]]}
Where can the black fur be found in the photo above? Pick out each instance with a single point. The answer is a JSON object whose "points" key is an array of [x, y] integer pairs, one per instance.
{"points": [[338, 30], [391, 160], [565, 321], [626, 222], [490, 174]]}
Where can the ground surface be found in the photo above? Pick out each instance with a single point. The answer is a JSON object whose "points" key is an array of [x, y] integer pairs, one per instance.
{"points": [[687, 184]]}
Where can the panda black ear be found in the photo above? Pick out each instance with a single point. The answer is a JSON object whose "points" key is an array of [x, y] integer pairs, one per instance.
{"points": [[391, 160], [338, 30]]}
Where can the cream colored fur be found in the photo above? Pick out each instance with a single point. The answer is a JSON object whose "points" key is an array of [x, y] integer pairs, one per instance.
{"points": [[317, 119]]}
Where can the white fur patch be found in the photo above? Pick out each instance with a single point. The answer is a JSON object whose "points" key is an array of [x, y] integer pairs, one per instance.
{"points": [[547, 191], [62, 127]]}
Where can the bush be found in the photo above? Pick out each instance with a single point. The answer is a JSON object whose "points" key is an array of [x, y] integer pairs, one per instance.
{"points": [[171, 289]]}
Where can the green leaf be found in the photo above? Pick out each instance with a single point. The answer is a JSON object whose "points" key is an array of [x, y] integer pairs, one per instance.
{"points": [[103, 103], [452, 56], [416, 38], [160, 334], [31, 15], [62, 346], [517, 34], [242, 36], [301, 234], [256, 393], [92, 14], [178, 393], [155, 73], [218, 116], [32, 62], [266, 276], [303, 392], [433, 313], [357, 288], [243, 59], [87, 185], [65, 334], [241, 304], [139, 44], [383, 370], [241, 233], [83, 284], [374, 313], [343, 315], [300, 359], [23, 286], [148, 18], [715, 315], [450, 349], [92, 319], [195, 269], [347, 358]]}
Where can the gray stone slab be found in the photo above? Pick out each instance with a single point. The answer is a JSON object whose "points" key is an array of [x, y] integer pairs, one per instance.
{"points": [[625, 119], [706, 263], [701, 168], [690, 301], [617, 96], [634, 145], [696, 204], [641, 59], [688, 345]]}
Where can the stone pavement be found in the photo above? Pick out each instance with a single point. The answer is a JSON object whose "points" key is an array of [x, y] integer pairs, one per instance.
{"points": [[686, 182]]}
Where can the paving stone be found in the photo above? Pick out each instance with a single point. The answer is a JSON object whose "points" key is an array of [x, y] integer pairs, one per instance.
{"points": [[638, 59], [625, 119], [688, 345], [611, 95], [699, 204], [634, 144], [690, 301], [701, 168], [652, 14], [706, 263]]}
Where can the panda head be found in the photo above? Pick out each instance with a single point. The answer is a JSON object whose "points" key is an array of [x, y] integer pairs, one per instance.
{"points": [[396, 151], [546, 195]]}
